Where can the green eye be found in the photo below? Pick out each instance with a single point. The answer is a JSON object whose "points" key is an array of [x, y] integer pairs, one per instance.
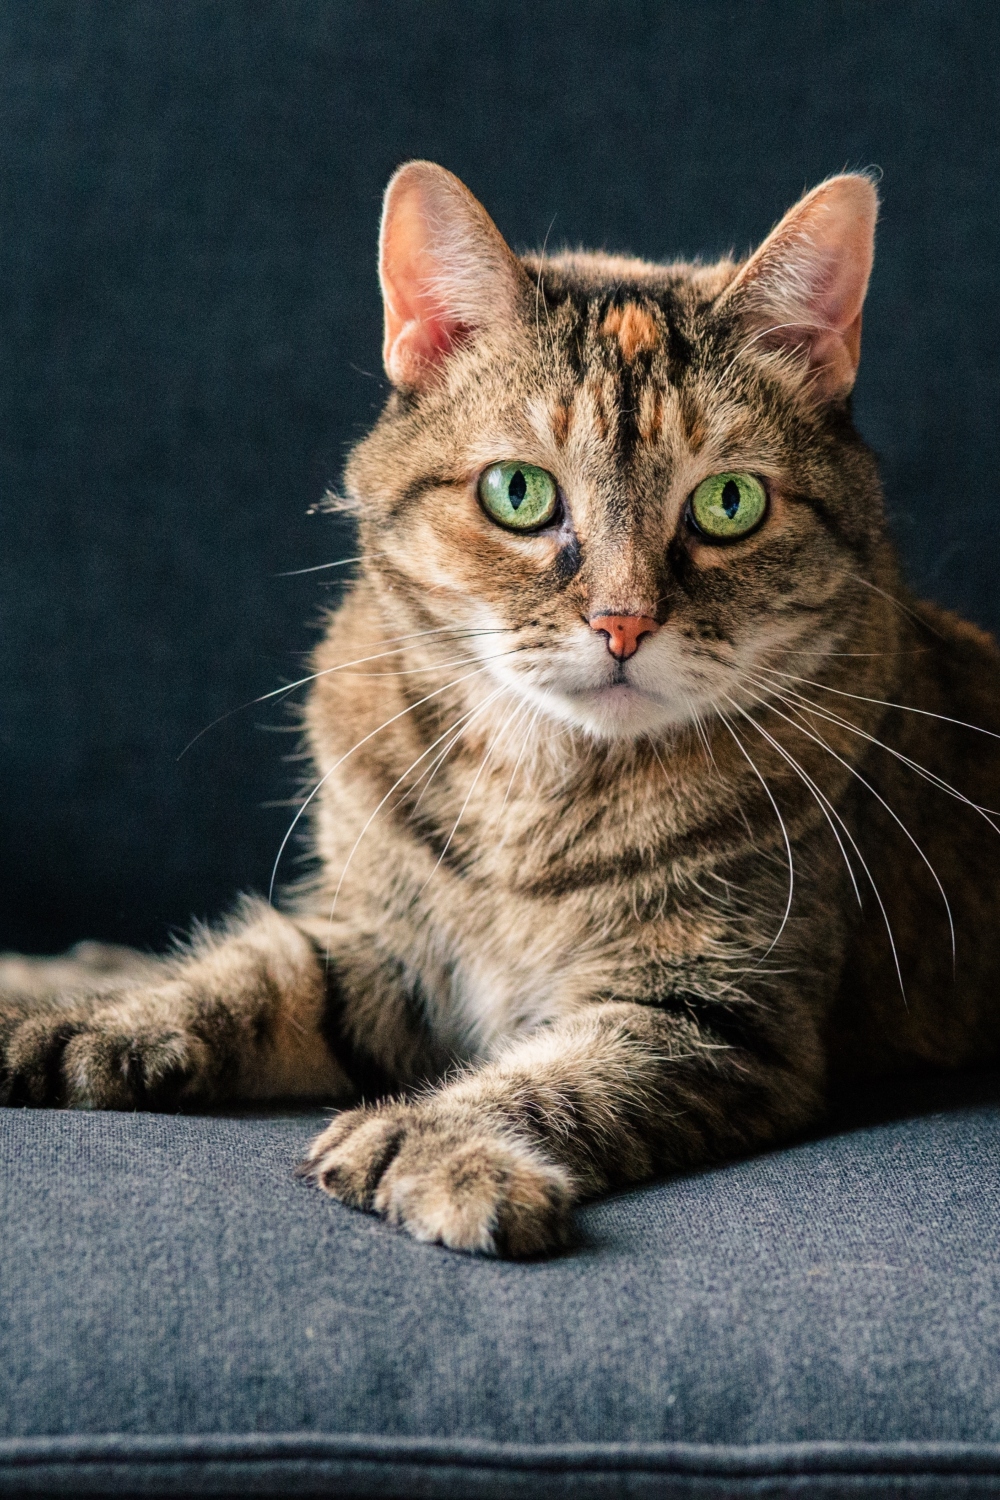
{"points": [[518, 496], [728, 505]]}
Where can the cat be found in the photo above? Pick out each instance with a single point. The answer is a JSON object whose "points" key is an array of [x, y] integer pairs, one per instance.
{"points": [[649, 807]]}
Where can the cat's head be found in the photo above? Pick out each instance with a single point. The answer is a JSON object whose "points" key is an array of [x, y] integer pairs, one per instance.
{"points": [[623, 486]]}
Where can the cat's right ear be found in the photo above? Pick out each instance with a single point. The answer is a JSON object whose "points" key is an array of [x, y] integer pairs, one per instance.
{"points": [[446, 272]]}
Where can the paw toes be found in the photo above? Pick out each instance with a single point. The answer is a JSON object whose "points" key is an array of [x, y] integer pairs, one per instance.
{"points": [[443, 1181], [349, 1159], [490, 1196], [126, 1070], [57, 1057], [32, 1065], [450, 1202], [535, 1212]]}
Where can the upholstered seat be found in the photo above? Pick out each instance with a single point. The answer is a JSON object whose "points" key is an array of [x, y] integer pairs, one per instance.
{"points": [[181, 1315]]}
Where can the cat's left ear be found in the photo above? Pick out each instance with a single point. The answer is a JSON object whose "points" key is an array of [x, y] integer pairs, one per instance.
{"points": [[804, 289], [446, 272]]}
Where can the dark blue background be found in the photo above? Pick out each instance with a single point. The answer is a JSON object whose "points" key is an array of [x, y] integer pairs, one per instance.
{"points": [[189, 342]]}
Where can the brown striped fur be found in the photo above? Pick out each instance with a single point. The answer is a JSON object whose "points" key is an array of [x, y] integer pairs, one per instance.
{"points": [[575, 921]]}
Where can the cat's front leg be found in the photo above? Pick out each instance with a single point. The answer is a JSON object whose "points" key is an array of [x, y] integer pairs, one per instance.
{"points": [[495, 1161], [238, 1016]]}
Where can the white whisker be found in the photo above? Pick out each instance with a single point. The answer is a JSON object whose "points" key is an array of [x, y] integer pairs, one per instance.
{"points": [[290, 687], [819, 740], [320, 567], [881, 702], [826, 807], [791, 697], [723, 719], [428, 775], [468, 716], [904, 609], [863, 862], [539, 298], [337, 764], [475, 780], [517, 764], [700, 731]]}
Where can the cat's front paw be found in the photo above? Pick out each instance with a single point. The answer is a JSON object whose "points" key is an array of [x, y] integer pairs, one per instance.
{"points": [[100, 1056], [445, 1177]]}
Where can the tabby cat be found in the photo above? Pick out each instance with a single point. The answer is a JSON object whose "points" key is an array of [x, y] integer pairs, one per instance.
{"points": [[648, 806]]}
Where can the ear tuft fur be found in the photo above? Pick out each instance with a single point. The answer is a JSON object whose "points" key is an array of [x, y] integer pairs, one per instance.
{"points": [[805, 287], [445, 269]]}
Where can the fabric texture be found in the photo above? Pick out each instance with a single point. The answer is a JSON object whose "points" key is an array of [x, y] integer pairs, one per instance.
{"points": [[179, 1313]]}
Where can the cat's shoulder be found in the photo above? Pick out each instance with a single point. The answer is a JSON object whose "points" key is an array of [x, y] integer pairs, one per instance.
{"points": [[957, 637], [955, 667]]}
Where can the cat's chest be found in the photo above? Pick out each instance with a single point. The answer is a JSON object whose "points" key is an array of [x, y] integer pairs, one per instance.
{"points": [[499, 961], [521, 931], [509, 896]]}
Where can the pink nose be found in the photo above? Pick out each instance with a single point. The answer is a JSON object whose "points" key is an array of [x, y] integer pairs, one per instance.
{"points": [[624, 632]]}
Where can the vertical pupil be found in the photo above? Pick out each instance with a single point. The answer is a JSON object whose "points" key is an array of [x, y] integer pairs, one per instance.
{"points": [[518, 488], [731, 498]]}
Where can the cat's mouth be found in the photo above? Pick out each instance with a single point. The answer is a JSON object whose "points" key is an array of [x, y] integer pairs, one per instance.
{"points": [[615, 700], [618, 709], [619, 690]]}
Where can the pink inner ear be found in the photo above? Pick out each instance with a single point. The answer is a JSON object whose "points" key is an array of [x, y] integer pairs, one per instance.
{"points": [[809, 278], [446, 272], [420, 328]]}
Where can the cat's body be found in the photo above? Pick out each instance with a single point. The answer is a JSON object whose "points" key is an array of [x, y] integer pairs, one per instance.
{"points": [[614, 815]]}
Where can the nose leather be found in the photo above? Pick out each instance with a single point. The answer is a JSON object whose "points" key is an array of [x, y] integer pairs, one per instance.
{"points": [[624, 632]]}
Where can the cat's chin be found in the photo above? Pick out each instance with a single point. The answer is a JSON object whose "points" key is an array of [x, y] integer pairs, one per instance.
{"points": [[618, 711]]}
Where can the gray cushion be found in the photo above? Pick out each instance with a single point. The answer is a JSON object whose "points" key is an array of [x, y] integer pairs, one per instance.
{"points": [[180, 1315]]}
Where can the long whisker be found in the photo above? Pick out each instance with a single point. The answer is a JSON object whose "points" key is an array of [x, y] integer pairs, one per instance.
{"points": [[723, 719], [319, 567], [823, 802], [760, 334], [470, 714], [904, 609], [337, 764], [538, 296], [468, 796], [915, 651], [819, 740], [861, 858], [699, 729], [457, 732], [290, 687], [520, 756], [342, 562], [428, 775], [790, 696], [656, 756], [458, 661], [881, 702]]}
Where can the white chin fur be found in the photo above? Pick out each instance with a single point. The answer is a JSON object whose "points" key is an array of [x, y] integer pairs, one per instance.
{"points": [[609, 712], [616, 712], [658, 696]]}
